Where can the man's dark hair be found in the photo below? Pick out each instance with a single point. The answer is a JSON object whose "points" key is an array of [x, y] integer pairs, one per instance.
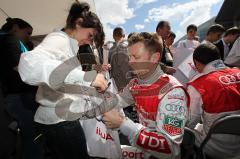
{"points": [[232, 31], [118, 31], [192, 26], [161, 24], [206, 53], [216, 28], [129, 35]]}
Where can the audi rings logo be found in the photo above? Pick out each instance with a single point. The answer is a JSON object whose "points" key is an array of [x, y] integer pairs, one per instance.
{"points": [[175, 108], [230, 79]]}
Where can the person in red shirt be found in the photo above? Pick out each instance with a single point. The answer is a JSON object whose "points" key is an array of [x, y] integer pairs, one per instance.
{"points": [[214, 92]]}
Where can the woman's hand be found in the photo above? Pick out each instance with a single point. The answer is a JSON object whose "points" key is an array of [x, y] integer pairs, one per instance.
{"points": [[100, 83]]}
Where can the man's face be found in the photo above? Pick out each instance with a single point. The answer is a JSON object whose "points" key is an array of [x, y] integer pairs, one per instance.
{"points": [[165, 31], [191, 34], [216, 36], [233, 38], [169, 41], [140, 59]]}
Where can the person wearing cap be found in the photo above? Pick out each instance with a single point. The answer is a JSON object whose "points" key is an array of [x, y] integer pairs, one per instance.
{"points": [[214, 93]]}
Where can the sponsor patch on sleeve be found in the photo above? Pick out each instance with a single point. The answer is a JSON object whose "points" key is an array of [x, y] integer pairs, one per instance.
{"points": [[173, 126], [153, 141]]}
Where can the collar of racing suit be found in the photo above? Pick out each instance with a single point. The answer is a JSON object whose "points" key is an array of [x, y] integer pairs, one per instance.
{"points": [[153, 77], [211, 67]]}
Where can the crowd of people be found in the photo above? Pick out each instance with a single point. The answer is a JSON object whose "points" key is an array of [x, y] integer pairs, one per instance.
{"points": [[75, 95]]}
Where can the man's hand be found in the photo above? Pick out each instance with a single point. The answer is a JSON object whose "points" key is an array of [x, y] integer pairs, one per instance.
{"points": [[113, 119], [106, 67], [170, 70], [100, 83]]}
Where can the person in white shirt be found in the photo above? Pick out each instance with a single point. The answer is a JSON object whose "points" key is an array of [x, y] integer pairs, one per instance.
{"points": [[190, 42], [182, 59], [233, 58], [54, 67]]}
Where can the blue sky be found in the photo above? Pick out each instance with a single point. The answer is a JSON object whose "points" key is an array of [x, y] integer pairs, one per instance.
{"points": [[143, 15]]}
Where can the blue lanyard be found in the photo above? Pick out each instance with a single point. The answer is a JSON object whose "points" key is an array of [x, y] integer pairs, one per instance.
{"points": [[23, 48]]}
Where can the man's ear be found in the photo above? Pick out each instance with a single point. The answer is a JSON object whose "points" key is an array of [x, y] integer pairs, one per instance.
{"points": [[78, 22], [158, 30], [156, 57], [199, 66]]}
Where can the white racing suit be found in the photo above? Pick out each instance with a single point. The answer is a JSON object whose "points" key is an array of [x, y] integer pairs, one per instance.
{"points": [[161, 103]]}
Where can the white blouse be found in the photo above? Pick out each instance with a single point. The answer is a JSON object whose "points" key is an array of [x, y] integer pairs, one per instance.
{"points": [[54, 67]]}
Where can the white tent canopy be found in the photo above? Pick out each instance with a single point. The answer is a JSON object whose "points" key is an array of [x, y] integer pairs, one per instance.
{"points": [[43, 15]]}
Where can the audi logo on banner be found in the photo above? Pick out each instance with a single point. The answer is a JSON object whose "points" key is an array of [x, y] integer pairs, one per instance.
{"points": [[230, 79]]}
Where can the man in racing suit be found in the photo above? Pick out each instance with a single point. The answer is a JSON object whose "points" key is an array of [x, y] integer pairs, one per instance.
{"points": [[161, 102], [214, 93]]}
